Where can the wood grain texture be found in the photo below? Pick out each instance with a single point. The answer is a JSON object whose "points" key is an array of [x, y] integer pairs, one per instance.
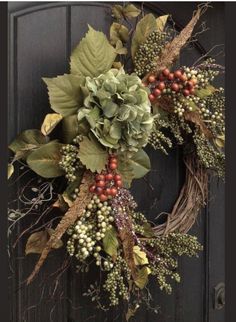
{"points": [[41, 37]]}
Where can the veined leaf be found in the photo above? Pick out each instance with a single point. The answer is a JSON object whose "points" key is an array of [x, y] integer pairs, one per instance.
{"points": [[126, 171], [50, 122], [65, 93], [161, 22], [140, 257], [142, 277], [143, 29], [10, 170], [118, 32], [204, 92], [130, 11], [140, 163], [27, 140], [93, 56], [92, 154], [110, 243], [45, 160]]}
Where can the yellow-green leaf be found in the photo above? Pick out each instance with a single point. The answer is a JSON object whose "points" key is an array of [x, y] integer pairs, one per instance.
{"points": [[93, 56], [204, 92], [45, 160], [110, 243], [120, 49], [220, 141], [10, 170], [65, 93], [140, 257], [118, 32], [142, 277], [161, 22], [130, 11], [50, 122], [92, 154], [117, 11], [143, 29], [140, 164]]}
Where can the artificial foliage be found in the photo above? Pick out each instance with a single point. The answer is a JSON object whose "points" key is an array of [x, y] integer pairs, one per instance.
{"points": [[107, 111]]}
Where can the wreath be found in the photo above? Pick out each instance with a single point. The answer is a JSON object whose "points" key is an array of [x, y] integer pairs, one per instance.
{"points": [[121, 94]]}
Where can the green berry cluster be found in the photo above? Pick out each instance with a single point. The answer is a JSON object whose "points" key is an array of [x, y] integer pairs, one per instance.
{"points": [[168, 247], [147, 53], [116, 282], [208, 154], [89, 230], [203, 75], [70, 162]]}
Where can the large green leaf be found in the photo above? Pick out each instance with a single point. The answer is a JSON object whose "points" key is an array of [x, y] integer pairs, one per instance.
{"points": [[45, 160], [26, 142], [65, 93], [143, 29], [142, 277], [110, 243], [126, 171], [140, 163], [92, 154], [93, 56], [70, 128]]}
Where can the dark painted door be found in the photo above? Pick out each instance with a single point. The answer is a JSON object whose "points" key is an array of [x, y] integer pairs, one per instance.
{"points": [[41, 36]]}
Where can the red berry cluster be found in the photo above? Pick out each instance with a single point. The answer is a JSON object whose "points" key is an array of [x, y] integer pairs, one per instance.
{"points": [[175, 81], [107, 183]]}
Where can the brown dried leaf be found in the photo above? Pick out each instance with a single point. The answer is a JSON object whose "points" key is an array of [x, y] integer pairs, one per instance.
{"points": [[68, 219], [172, 49], [195, 118]]}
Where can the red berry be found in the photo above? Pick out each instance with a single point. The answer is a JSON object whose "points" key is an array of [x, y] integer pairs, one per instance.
{"points": [[157, 92], [178, 73], [119, 183], [108, 191], [186, 92], [190, 84], [109, 176], [100, 183], [192, 91], [166, 72], [161, 77], [175, 87], [100, 177], [113, 191], [151, 97], [92, 188], [111, 160], [98, 190], [171, 76], [161, 85], [103, 197], [113, 165], [183, 78], [151, 79], [117, 177]]}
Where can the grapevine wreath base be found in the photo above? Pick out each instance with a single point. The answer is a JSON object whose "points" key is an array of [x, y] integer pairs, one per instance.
{"points": [[91, 148]]}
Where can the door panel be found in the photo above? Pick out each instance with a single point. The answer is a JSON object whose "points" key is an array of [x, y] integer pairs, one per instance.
{"points": [[40, 41]]}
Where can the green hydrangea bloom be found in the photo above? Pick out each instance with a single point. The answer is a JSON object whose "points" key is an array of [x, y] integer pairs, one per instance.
{"points": [[118, 110]]}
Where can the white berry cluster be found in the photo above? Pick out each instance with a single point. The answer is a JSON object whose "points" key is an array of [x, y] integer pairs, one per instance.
{"points": [[86, 234]]}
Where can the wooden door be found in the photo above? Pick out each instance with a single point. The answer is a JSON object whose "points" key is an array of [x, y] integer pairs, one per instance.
{"points": [[41, 36]]}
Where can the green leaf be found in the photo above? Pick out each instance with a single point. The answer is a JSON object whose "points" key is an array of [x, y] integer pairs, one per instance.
{"points": [[140, 163], [130, 11], [142, 277], [93, 56], [118, 32], [148, 231], [120, 49], [117, 11], [92, 154], [125, 170], [143, 29], [140, 257], [220, 141], [110, 243], [71, 127], [161, 22], [65, 93], [28, 140], [204, 92], [45, 160], [50, 122], [10, 170]]}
